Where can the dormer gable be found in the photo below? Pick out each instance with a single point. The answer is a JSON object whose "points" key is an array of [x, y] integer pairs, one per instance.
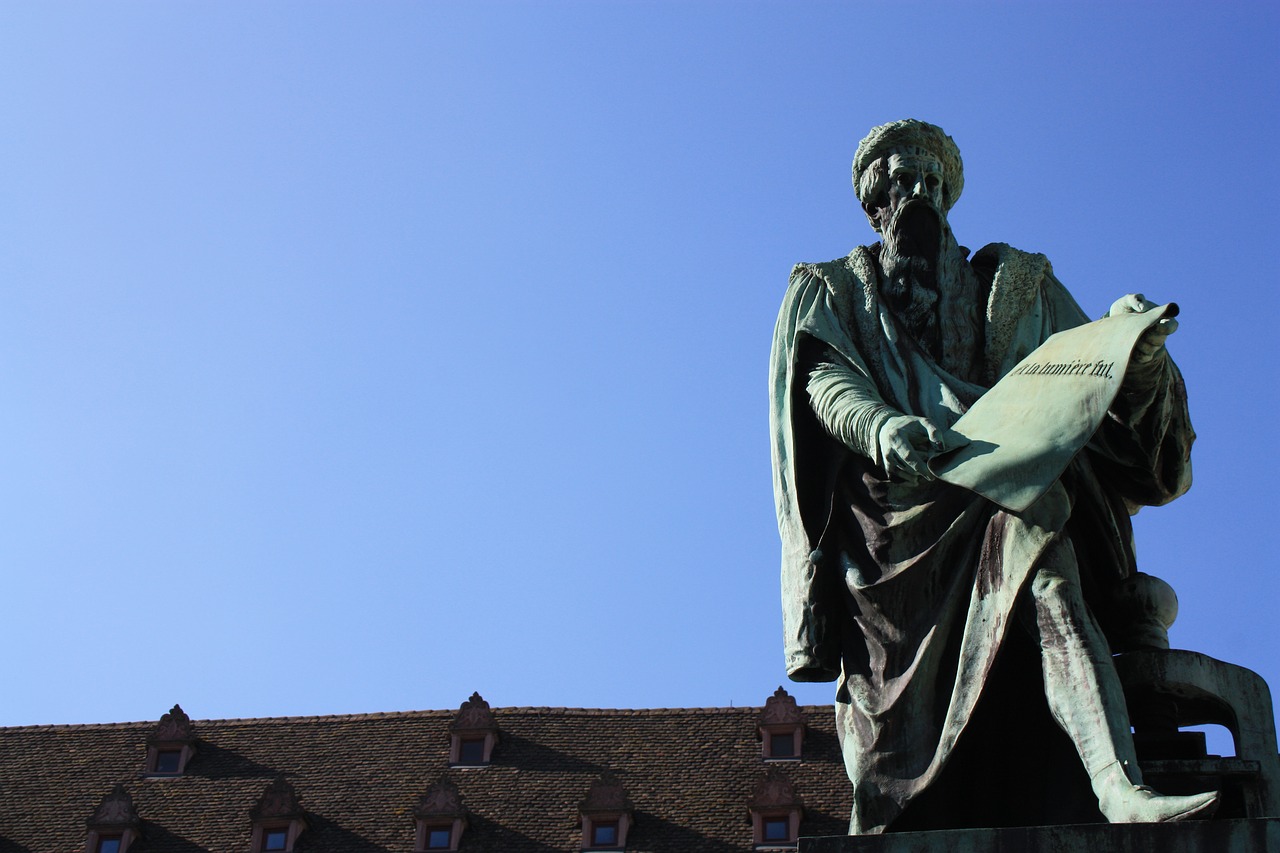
{"points": [[472, 734], [278, 818], [440, 818], [607, 815], [114, 825], [171, 744], [775, 810], [781, 728]]}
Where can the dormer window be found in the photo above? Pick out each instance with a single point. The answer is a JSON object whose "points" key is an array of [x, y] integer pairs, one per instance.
{"points": [[607, 815], [278, 819], [473, 734], [775, 811], [168, 762], [439, 838], [109, 844], [114, 825], [780, 832], [440, 818], [782, 745], [171, 744], [781, 728], [471, 750], [275, 839], [604, 834]]}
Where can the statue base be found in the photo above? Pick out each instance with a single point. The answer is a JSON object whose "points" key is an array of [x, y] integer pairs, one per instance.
{"points": [[1256, 835]]}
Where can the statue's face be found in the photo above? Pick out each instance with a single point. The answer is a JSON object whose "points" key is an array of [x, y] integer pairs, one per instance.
{"points": [[912, 175], [909, 214]]}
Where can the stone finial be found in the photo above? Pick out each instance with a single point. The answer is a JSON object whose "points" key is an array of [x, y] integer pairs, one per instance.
{"points": [[780, 709], [115, 811], [606, 795], [474, 716], [441, 800], [279, 800], [174, 727], [775, 790], [1145, 610]]}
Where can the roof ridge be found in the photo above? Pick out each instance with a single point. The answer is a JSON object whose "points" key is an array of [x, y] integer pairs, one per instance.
{"points": [[429, 712]]}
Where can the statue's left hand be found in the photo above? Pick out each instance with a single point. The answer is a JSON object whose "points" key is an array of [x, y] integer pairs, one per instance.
{"points": [[906, 443], [1151, 344]]}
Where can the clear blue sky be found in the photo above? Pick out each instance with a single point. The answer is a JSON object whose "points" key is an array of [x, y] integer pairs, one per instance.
{"points": [[357, 356]]}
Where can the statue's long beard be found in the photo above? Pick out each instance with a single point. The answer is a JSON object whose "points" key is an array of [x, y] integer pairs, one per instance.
{"points": [[928, 284], [910, 287], [910, 262]]}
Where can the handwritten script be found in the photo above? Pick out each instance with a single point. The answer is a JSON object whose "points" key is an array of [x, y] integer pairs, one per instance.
{"points": [[1101, 369]]}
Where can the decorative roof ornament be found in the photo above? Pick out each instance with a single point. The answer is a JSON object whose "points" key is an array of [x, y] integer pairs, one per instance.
{"points": [[174, 727], [116, 811], [279, 800], [606, 795], [441, 800], [474, 716], [775, 790], [780, 709]]}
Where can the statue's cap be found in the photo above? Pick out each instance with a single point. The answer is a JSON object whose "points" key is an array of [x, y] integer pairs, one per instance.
{"points": [[912, 133]]}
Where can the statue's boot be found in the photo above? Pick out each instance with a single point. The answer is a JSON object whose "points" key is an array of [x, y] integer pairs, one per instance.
{"points": [[1121, 801], [1087, 700]]}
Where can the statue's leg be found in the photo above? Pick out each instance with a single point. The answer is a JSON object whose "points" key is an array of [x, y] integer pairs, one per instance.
{"points": [[1087, 700], [1080, 680]]}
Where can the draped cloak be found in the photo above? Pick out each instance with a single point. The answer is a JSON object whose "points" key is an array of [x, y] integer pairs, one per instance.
{"points": [[902, 592]]}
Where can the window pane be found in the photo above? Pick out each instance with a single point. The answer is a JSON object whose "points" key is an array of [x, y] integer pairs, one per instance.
{"points": [[603, 834], [108, 845], [777, 829], [782, 745], [167, 760], [438, 839], [275, 839], [471, 751]]}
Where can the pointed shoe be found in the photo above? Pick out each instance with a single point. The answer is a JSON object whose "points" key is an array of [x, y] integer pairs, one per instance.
{"points": [[1129, 803]]}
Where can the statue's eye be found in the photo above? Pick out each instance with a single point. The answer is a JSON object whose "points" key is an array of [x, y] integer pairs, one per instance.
{"points": [[932, 182], [904, 179]]}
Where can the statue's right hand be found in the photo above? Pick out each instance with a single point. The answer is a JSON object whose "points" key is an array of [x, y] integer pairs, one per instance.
{"points": [[906, 443], [1151, 344]]}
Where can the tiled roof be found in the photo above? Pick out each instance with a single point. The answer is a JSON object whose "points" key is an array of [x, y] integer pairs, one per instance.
{"points": [[688, 772]]}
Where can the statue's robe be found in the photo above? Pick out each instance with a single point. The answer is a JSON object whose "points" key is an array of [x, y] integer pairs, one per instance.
{"points": [[905, 592]]}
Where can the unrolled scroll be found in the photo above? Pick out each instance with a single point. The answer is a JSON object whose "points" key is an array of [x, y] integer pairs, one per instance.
{"points": [[1025, 430]]}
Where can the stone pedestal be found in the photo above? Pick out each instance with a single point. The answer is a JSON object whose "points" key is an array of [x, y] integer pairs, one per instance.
{"points": [[1259, 835]]}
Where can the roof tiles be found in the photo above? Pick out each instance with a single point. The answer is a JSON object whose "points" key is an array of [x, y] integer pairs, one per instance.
{"points": [[688, 772]]}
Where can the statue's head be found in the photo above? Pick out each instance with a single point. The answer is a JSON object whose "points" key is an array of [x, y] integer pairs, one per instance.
{"points": [[904, 161], [907, 175]]}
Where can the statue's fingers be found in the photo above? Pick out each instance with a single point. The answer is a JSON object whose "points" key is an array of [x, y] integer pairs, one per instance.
{"points": [[898, 471], [898, 462], [1149, 343], [1152, 340], [1130, 303], [919, 467], [935, 435]]}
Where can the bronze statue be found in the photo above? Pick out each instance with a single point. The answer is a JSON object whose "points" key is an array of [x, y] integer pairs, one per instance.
{"points": [[957, 629]]}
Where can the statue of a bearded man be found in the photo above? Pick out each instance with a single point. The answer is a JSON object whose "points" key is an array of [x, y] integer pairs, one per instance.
{"points": [[975, 686]]}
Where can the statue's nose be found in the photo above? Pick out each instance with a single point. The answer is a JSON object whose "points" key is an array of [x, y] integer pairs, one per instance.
{"points": [[921, 189]]}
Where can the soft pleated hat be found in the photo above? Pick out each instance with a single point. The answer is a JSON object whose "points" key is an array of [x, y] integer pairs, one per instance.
{"points": [[912, 133]]}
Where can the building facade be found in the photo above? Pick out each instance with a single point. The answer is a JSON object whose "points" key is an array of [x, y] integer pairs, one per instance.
{"points": [[720, 780]]}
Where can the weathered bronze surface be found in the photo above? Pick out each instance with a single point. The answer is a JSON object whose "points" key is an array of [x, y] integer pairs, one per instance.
{"points": [[975, 686]]}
